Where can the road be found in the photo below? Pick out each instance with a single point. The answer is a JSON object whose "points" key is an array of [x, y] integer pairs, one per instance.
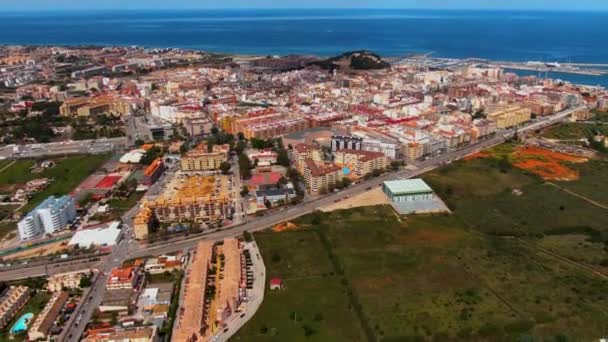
{"points": [[119, 254], [65, 147], [259, 223]]}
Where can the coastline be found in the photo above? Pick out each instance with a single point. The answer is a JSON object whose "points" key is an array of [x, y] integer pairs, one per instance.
{"points": [[576, 78]]}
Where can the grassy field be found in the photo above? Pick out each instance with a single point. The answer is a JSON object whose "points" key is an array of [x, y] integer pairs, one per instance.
{"points": [[593, 178], [483, 197], [571, 131], [67, 174], [313, 306], [419, 278], [127, 203]]}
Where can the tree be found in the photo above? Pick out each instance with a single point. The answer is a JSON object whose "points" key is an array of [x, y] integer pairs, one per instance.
{"points": [[244, 166], [346, 182], [225, 168], [283, 158], [85, 282], [268, 204], [244, 191], [504, 164], [247, 236], [214, 130], [151, 155]]}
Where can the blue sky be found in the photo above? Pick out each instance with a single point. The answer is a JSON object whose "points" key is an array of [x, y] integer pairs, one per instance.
{"points": [[581, 5]]}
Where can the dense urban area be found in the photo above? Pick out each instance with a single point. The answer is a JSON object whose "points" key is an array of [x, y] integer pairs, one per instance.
{"points": [[175, 195]]}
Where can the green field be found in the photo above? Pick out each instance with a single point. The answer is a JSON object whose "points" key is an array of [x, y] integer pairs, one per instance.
{"points": [[67, 174], [482, 196], [315, 300], [419, 278]]}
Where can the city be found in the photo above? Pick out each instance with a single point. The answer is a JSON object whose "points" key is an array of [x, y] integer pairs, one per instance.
{"points": [[170, 194]]}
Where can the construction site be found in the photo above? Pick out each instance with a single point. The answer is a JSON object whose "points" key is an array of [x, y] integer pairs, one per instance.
{"points": [[188, 198]]}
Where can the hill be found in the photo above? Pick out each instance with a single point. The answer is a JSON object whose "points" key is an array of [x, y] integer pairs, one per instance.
{"points": [[355, 60]]}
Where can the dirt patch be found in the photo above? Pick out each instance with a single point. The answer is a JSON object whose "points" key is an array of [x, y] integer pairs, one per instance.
{"points": [[547, 164], [52, 248], [478, 155], [285, 226], [369, 198]]}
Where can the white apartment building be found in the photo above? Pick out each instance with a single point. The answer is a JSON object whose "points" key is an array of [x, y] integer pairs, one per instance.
{"points": [[50, 216]]}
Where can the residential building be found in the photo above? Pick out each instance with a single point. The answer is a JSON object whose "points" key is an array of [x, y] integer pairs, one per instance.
{"points": [[509, 116], [361, 163], [341, 142], [163, 263], [13, 299], [122, 278], [201, 160], [191, 323], [231, 288], [197, 126], [320, 177], [302, 152], [69, 280], [131, 334], [46, 318], [50, 216]]}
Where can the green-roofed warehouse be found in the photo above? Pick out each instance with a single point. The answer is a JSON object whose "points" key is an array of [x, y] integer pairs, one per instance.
{"points": [[408, 190]]}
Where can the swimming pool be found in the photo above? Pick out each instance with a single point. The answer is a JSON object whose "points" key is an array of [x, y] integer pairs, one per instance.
{"points": [[21, 324]]}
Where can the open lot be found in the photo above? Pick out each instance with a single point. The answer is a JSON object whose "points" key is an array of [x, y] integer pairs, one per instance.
{"points": [[314, 301], [419, 278], [498, 199], [67, 174], [69, 170]]}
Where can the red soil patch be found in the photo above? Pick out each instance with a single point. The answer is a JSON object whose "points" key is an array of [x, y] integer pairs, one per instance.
{"points": [[547, 164]]}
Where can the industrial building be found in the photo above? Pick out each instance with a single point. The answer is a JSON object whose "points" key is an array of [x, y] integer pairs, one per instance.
{"points": [[50, 216], [410, 196], [407, 190], [153, 172]]}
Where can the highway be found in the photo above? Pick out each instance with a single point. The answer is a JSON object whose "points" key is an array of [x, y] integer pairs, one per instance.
{"points": [[133, 250], [98, 146]]}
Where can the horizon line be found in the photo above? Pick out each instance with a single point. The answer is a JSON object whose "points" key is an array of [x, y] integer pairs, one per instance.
{"points": [[303, 8]]}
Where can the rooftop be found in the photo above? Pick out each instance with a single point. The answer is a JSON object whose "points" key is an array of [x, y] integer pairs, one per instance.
{"points": [[407, 186]]}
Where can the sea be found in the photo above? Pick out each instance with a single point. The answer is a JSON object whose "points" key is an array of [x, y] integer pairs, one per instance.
{"points": [[495, 35]]}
